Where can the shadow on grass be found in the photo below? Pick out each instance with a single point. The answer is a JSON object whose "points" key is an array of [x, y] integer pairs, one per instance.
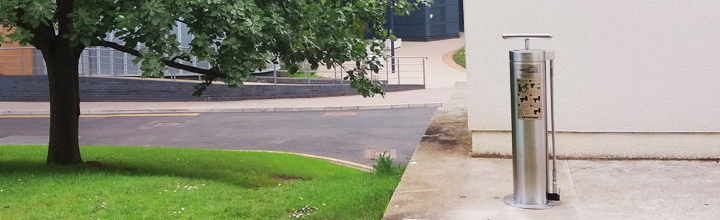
{"points": [[245, 169], [244, 180]]}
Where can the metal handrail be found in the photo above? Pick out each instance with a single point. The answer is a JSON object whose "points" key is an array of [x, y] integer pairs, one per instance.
{"points": [[106, 62], [411, 57], [17, 48]]}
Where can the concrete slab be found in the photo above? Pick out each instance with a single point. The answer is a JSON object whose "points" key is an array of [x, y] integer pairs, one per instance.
{"points": [[400, 106], [442, 181], [258, 110], [350, 107], [647, 189], [472, 188], [283, 109], [308, 109], [333, 108], [374, 107], [422, 105], [433, 105], [434, 95]]}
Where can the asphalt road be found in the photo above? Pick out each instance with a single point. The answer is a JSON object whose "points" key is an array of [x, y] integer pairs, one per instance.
{"points": [[346, 135]]}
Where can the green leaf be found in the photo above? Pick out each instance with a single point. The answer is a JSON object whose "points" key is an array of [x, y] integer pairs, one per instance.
{"points": [[85, 41]]}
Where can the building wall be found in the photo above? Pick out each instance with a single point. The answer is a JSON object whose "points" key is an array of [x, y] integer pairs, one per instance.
{"points": [[14, 61], [622, 67], [440, 21]]}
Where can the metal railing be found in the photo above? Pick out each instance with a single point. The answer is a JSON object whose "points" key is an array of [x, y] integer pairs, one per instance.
{"points": [[407, 70], [21, 61], [100, 61]]}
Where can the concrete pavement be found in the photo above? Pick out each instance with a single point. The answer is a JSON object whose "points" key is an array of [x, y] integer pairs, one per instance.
{"points": [[439, 73], [443, 181], [427, 98]]}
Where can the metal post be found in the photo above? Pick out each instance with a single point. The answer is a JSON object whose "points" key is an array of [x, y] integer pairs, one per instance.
{"points": [[392, 42], [552, 119], [387, 72], [81, 68], [371, 75], [44, 68], [112, 63], [97, 59], [89, 59], [179, 39], [424, 70], [529, 126], [195, 64], [125, 64], [398, 71], [173, 74], [527, 44], [274, 75]]}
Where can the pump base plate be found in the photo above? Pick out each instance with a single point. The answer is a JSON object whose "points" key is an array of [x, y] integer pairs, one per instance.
{"points": [[510, 200]]}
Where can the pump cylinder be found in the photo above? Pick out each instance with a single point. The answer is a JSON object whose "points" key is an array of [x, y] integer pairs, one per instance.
{"points": [[529, 128]]}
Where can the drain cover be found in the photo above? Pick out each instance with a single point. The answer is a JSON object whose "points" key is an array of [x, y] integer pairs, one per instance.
{"points": [[165, 124], [377, 152], [340, 114]]}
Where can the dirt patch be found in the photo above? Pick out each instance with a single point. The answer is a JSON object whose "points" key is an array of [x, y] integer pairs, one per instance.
{"points": [[285, 178], [493, 155], [439, 135], [448, 130]]}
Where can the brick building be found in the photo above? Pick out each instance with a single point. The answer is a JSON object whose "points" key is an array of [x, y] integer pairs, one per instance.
{"points": [[14, 59]]}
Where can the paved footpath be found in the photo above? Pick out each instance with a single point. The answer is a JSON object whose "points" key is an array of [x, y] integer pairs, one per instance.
{"points": [[402, 100]]}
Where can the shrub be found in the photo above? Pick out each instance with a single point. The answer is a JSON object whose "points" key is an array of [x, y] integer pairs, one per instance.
{"points": [[386, 166]]}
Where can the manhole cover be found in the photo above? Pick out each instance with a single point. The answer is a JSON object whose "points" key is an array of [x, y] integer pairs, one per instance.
{"points": [[339, 114], [165, 124], [377, 152]]}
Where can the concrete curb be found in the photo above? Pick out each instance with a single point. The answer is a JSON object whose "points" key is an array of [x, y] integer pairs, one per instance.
{"points": [[346, 163], [235, 110]]}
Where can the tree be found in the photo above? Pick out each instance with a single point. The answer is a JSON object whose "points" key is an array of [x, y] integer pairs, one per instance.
{"points": [[234, 36]]}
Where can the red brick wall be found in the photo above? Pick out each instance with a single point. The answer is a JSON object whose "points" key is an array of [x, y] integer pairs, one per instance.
{"points": [[15, 61]]}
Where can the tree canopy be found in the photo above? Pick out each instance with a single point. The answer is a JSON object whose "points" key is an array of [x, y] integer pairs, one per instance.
{"points": [[234, 36]]}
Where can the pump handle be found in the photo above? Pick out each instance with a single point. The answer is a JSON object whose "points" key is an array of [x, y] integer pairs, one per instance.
{"points": [[527, 36]]}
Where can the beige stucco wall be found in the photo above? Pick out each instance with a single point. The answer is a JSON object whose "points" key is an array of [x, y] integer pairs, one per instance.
{"points": [[621, 66]]}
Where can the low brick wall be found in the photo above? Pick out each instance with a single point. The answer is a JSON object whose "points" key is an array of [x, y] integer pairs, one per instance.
{"points": [[101, 89]]}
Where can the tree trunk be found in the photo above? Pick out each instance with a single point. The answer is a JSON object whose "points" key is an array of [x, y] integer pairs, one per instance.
{"points": [[62, 66]]}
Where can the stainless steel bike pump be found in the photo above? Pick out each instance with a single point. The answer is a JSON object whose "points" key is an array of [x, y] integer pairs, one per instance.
{"points": [[530, 127]]}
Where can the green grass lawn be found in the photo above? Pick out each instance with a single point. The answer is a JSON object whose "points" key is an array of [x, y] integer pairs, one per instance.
{"points": [[179, 183], [459, 57]]}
